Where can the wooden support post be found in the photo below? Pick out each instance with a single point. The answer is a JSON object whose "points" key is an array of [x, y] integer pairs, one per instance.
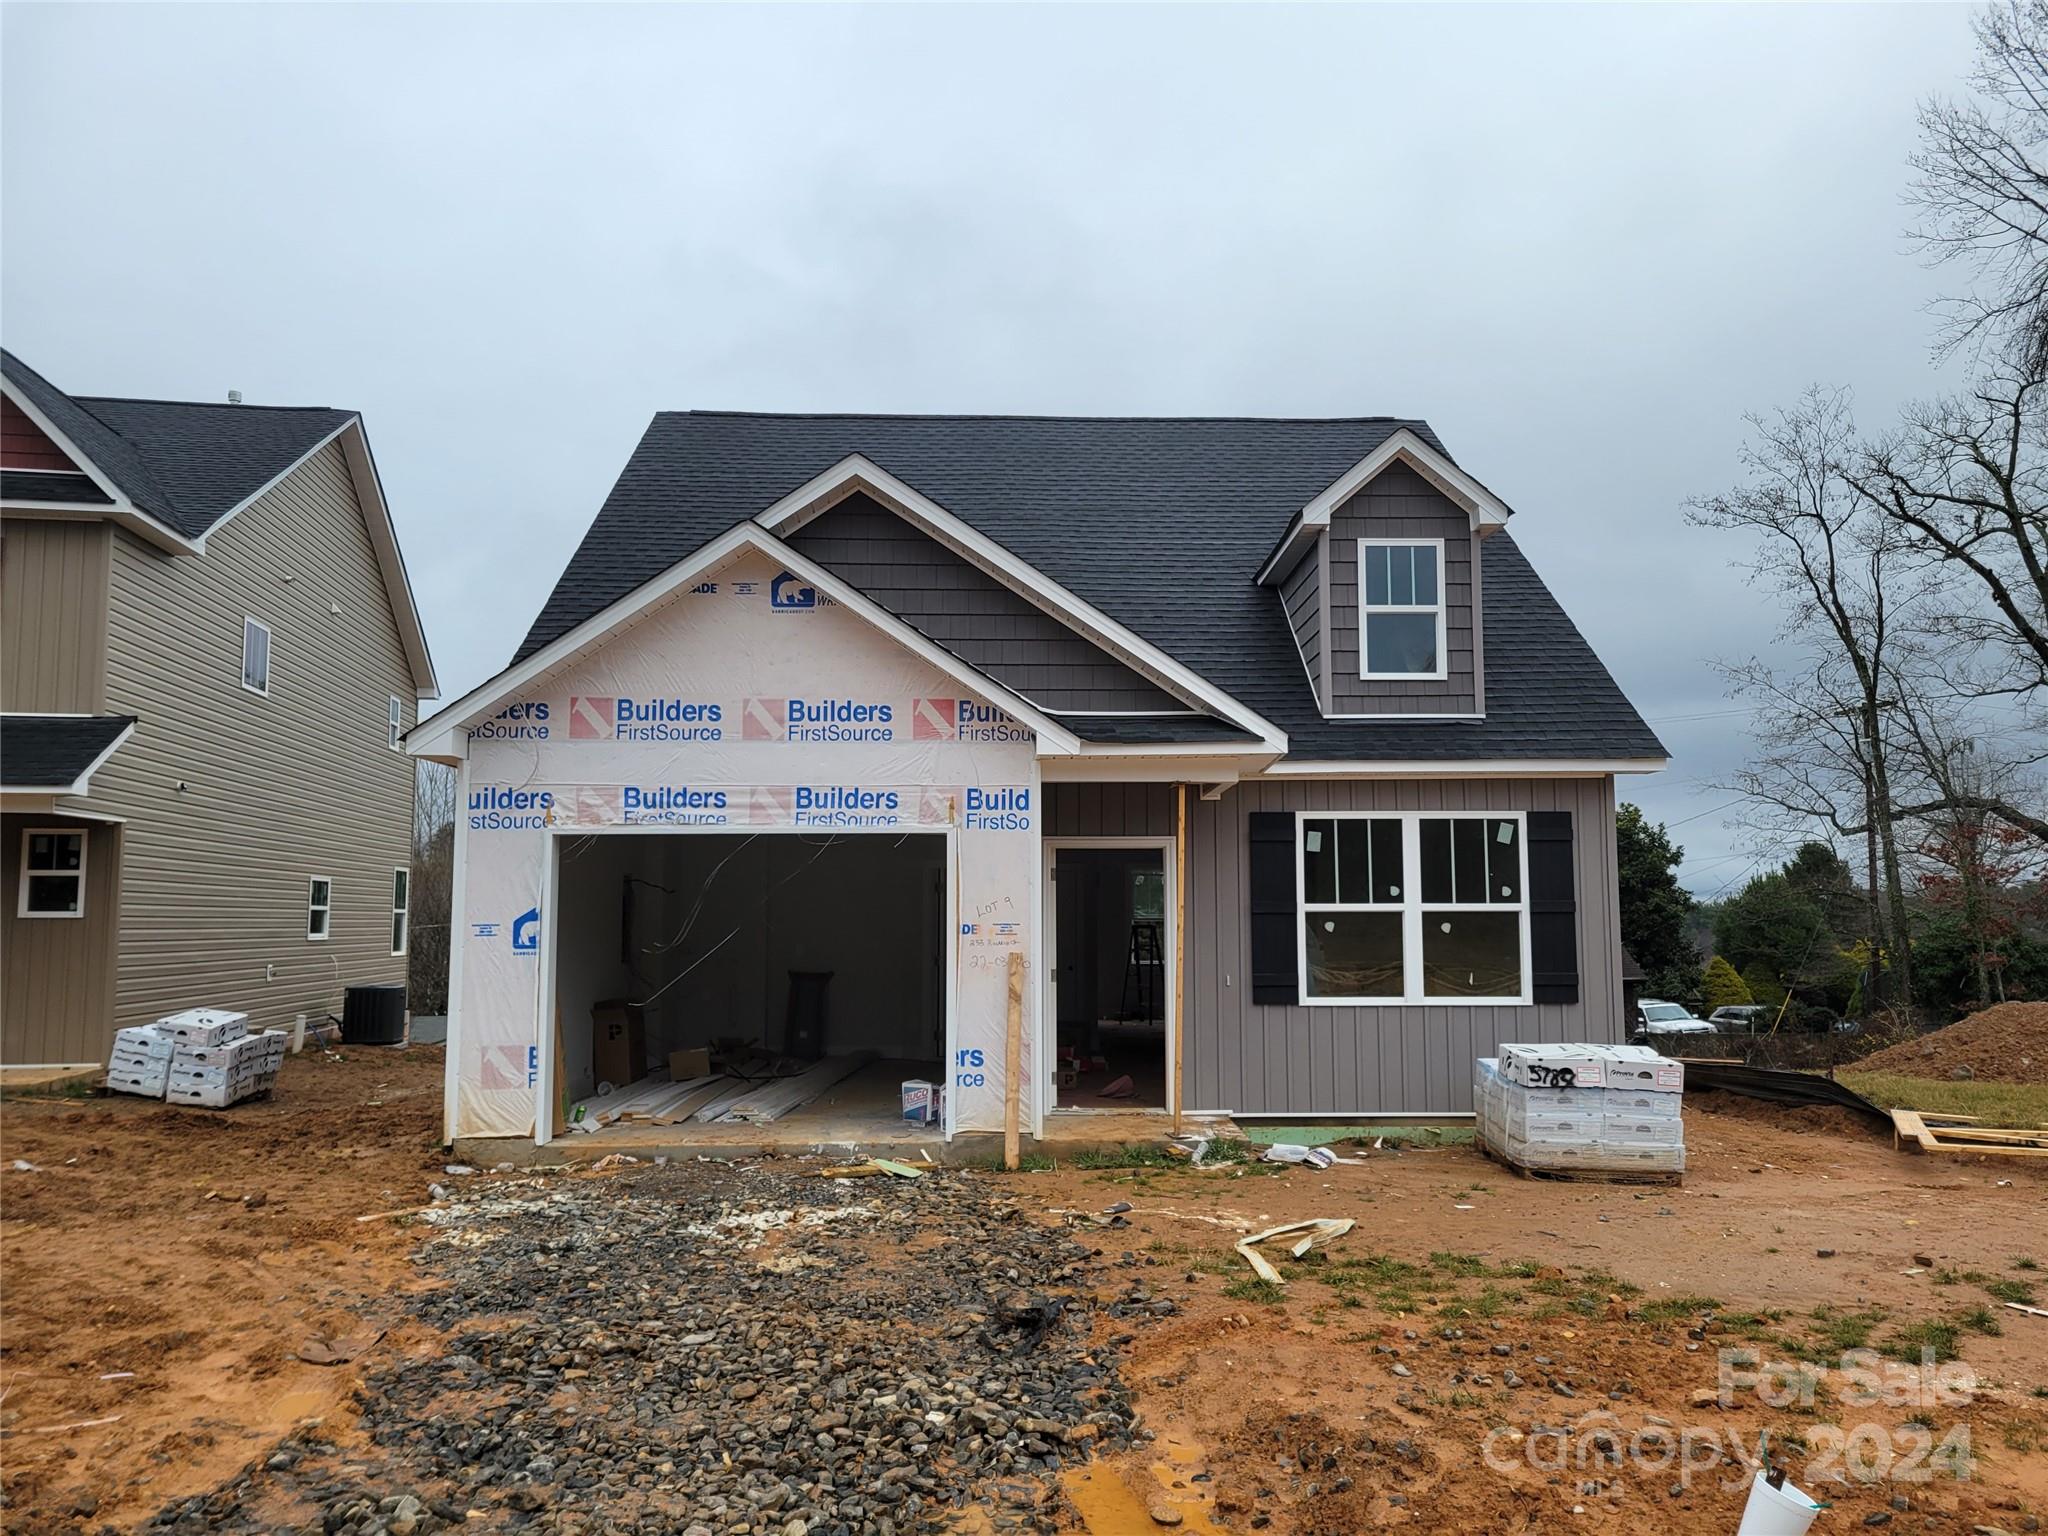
{"points": [[1013, 1068], [1180, 946]]}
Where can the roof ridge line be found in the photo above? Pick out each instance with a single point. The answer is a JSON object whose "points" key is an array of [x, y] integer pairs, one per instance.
{"points": [[210, 405], [1029, 416]]}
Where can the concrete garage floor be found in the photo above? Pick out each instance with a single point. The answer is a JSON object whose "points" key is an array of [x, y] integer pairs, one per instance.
{"points": [[860, 1116]]}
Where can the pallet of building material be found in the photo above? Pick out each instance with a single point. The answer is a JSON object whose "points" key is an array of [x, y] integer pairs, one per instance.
{"points": [[1961, 1133], [1583, 1175], [762, 1103], [696, 1095]]}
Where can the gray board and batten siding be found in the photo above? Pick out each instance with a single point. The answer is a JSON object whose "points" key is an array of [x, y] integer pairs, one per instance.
{"points": [[1400, 504], [1255, 1059], [989, 626]]}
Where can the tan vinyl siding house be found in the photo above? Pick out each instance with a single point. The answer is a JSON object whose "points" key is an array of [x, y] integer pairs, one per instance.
{"points": [[235, 800], [221, 804]]}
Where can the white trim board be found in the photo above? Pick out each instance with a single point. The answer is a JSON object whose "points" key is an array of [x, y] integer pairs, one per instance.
{"points": [[856, 473], [1486, 510], [1469, 768], [440, 737]]}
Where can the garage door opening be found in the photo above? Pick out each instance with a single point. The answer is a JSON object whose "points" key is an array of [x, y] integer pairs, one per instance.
{"points": [[707, 982]]}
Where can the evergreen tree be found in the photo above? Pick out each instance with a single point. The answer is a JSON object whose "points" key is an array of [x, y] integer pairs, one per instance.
{"points": [[1655, 907], [1724, 986]]}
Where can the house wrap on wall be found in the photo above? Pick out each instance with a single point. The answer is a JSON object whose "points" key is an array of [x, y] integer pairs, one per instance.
{"points": [[885, 699]]}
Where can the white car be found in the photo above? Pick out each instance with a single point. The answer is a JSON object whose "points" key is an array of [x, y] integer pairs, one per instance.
{"points": [[1655, 1020]]}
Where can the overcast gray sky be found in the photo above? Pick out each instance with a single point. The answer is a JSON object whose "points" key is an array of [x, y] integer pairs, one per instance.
{"points": [[1580, 241]]}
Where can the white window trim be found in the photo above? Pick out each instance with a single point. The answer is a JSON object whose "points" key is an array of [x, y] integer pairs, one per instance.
{"points": [[269, 654], [1410, 907], [21, 906], [400, 915], [312, 906], [394, 718], [1442, 608]]}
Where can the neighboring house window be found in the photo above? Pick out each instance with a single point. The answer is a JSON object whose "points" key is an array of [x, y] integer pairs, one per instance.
{"points": [[319, 907], [255, 656], [1401, 608], [1413, 908], [397, 718], [401, 900], [52, 873]]}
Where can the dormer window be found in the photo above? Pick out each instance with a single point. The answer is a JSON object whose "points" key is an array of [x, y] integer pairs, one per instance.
{"points": [[1401, 612]]}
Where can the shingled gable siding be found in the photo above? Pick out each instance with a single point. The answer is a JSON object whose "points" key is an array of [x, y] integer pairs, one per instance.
{"points": [[1404, 1060], [1400, 504], [53, 616], [277, 789], [1302, 594], [971, 614]]}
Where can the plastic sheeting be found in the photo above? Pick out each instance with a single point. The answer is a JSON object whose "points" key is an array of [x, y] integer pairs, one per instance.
{"points": [[750, 702]]}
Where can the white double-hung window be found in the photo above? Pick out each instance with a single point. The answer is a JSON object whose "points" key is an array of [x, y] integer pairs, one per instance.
{"points": [[1401, 608], [1413, 907]]}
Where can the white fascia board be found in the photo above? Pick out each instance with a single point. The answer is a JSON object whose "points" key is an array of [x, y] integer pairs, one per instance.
{"points": [[1471, 768], [1188, 768], [856, 472], [122, 510], [1486, 510], [439, 736], [82, 785]]}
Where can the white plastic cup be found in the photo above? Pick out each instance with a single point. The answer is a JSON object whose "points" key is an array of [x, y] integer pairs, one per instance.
{"points": [[1776, 1511]]}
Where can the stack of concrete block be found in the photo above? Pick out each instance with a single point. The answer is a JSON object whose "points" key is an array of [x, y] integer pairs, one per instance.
{"points": [[1582, 1108], [141, 1062], [203, 1056]]}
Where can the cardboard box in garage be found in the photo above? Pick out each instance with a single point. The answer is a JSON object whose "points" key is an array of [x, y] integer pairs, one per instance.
{"points": [[618, 1035]]}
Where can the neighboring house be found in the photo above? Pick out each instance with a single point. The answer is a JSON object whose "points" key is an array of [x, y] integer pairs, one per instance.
{"points": [[1299, 668], [208, 655]]}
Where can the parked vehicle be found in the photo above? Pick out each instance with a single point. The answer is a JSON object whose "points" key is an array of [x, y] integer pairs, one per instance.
{"points": [[1657, 1020], [1740, 1018]]}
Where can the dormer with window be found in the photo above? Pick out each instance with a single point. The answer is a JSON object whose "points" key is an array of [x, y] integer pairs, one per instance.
{"points": [[1380, 578]]}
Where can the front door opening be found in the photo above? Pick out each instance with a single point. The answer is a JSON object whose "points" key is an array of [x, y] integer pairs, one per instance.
{"points": [[777, 955], [1109, 911]]}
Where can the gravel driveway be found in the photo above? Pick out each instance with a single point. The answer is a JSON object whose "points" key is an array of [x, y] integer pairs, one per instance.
{"points": [[716, 1349]]}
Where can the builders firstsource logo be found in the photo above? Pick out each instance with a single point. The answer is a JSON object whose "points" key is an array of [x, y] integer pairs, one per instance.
{"points": [[1004, 809], [593, 719], [515, 722], [962, 720], [816, 720], [846, 805], [501, 808], [675, 804]]}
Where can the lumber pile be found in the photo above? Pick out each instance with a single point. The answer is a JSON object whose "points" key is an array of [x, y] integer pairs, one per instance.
{"points": [[756, 1090], [1962, 1133]]}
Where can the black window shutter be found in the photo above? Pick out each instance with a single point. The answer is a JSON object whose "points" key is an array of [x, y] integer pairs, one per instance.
{"points": [[1276, 968], [1553, 909]]}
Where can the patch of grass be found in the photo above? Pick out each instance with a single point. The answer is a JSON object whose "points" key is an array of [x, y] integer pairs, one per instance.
{"points": [[2012, 1290], [1491, 1301], [1932, 1337], [1670, 1310], [1255, 1289], [1981, 1319], [1466, 1266], [1135, 1154], [2023, 1262], [1838, 1332], [2021, 1105]]}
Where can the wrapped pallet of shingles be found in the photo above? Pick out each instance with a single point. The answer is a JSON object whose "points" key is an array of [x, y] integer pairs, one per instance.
{"points": [[1584, 1108]]}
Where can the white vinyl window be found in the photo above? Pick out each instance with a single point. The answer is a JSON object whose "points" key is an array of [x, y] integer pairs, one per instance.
{"points": [[52, 873], [255, 655], [396, 719], [1413, 907], [319, 907], [1401, 608], [401, 902]]}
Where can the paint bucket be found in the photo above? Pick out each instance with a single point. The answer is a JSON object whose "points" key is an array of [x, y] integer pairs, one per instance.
{"points": [[1776, 1511]]}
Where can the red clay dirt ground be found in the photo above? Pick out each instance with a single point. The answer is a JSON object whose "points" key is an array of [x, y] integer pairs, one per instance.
{"points": [[132, 1249], [2005, 1043]]}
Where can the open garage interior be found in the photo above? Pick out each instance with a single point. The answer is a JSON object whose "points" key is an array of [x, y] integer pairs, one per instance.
{"points": [[1110, 977], [710, 980]]}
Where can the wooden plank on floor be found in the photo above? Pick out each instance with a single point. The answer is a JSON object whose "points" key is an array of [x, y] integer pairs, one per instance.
{"points": [[767, 1102]]}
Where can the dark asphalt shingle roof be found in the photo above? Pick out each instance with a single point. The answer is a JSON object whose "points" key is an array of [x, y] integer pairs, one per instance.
{"points": [[185, 463], [1163, 523], [43, 751]]}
